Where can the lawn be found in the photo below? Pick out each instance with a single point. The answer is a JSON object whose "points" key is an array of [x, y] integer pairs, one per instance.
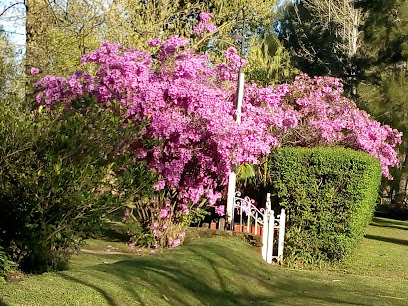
{"points": [[224, 271]]}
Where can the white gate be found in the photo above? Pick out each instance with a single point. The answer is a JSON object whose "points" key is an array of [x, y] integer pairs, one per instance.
{"points": [[264, 218]]}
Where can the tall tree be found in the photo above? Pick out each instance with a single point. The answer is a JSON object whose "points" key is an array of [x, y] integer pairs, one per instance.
{"points": [[269, 60], [382, 91], [59, 32], [347, 17], [10, 72], [365, 43], [323, 37]]}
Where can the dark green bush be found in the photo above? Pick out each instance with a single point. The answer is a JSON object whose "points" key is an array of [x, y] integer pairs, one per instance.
{"points": [[4, 263], [59, 174], [329, 194]]}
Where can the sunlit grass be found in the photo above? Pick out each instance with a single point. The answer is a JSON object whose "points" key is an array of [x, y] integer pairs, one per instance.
{"points": [[383, 251]]}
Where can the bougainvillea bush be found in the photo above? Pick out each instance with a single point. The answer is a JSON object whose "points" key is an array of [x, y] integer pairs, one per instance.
{"points": [[190, 139]]}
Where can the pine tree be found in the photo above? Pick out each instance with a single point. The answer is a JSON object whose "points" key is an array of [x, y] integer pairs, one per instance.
{"points": [[383, 89], [270, 61], [322, 37]]}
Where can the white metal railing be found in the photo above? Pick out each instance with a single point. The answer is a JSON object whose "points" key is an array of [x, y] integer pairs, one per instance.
{"points": [[265, 218], [246, 206]]}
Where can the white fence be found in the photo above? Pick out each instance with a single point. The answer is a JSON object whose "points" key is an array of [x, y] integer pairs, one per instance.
{"points": [[265, 224]]}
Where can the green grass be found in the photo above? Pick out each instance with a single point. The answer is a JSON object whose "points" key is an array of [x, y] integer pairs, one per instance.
{"points": [[383, 251], [223, 271]]}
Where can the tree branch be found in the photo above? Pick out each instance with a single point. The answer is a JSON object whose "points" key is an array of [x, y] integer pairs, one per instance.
{"points": [[14, 4]]}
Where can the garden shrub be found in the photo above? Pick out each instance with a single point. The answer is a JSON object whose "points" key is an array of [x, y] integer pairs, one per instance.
{"points": [[330, 196], [5, 265], [57, 179]]}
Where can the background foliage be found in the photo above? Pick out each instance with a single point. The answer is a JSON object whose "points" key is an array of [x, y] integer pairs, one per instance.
{"points": [[60, 32], [11, 78]]}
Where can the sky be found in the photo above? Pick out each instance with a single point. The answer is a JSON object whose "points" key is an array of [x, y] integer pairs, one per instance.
{"points": [[13, 23]]}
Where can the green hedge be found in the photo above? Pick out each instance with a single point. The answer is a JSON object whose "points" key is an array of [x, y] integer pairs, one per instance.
{"points": [[329, 194]]}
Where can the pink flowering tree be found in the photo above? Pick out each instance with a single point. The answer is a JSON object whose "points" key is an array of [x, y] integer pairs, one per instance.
{"points": [[326, 116], [185, 104]]}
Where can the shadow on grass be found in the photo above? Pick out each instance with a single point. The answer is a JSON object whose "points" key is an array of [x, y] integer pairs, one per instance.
{"points": [[2, 303], [109, 234], [387, 239], [390, 226], [215, 275], [105, 295], [390, 223]]}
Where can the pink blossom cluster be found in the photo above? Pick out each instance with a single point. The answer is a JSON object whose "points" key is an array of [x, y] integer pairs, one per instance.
{"points": [[126, 215], [160, 185], [34, 70], [159, 228], [232, 56], [163, 234], [162, 219], [188, 110], [326, 116], [154, 42], [173, 242], [204, 24], [220, 210]]}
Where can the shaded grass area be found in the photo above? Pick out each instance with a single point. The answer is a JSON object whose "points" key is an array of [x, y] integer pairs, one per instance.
{"points": [[218, 271]]}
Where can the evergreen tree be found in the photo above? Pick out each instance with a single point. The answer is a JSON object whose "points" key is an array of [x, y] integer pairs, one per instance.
{"points": [[385, 35], [382, 91], [322, 37], [269, 61], [365, 43]]}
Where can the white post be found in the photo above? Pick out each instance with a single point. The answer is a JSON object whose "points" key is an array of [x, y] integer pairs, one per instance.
{"points": [[271, 229], [232, 176], [265, 234], [268, 201], [240, 219], [282, 222], [256, 222], [230, 198], [240, 97], [265, 231], [249, 217]]}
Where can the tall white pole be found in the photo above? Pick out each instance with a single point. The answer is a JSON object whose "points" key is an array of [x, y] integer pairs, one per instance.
{"points": [[232, 176], [240, 97], [266, 224]]}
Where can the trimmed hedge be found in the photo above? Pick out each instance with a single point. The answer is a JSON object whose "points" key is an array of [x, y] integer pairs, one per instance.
{"points": [[330, 196]]}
